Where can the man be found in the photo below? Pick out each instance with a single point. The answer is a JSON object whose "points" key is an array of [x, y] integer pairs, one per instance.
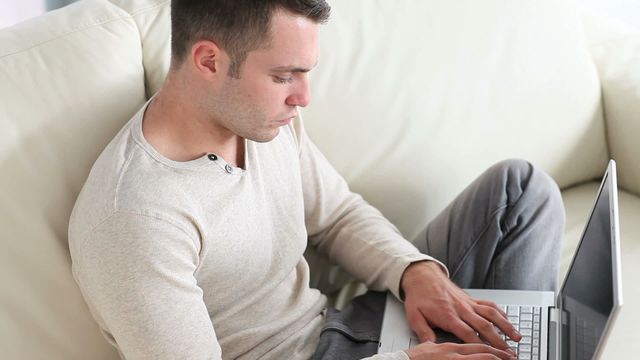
{"points": [[187, 238]]}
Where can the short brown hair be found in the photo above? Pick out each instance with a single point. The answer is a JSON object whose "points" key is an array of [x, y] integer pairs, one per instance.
{"points": [[237, 26]]}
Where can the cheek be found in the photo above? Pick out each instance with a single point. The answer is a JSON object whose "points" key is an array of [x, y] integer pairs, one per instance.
{"points": [[273, 98]]}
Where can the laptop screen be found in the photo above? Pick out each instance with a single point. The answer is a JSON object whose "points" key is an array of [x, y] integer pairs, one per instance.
{"points": [[588, 291]]}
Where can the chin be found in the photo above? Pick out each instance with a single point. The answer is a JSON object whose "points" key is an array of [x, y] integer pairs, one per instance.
{"points": [[266, 136]]}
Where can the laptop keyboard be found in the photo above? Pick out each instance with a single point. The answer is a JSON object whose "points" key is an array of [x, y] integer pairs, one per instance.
{"points": [[526, 319]]}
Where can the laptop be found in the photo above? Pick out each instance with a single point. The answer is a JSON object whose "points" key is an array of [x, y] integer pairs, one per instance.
{"points": [[571, 325]]}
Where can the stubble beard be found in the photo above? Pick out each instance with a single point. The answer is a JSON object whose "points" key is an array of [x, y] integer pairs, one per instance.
{"points": [[237, 113]]}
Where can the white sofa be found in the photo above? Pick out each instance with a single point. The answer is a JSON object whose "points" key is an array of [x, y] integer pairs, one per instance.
{"points": [[412, 99]]}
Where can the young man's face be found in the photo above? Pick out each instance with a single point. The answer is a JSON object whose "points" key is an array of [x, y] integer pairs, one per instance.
{"points": [[273, 82]]}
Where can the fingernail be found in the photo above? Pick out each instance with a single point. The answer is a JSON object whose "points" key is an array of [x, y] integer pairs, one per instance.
{"points": [[515, 334], [511, 351]]}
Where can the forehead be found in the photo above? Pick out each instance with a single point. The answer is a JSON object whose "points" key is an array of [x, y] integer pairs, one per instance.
{"points": [[293, 41]]}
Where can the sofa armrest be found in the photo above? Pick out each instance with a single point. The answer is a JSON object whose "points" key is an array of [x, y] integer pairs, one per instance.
{"points": [[615, 48]]}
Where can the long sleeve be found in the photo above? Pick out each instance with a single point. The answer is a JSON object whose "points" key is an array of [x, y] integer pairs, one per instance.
{"points": [[136, 272], [344, 226]]}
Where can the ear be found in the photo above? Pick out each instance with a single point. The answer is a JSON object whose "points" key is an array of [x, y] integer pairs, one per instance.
{"points": [[207, 58]]}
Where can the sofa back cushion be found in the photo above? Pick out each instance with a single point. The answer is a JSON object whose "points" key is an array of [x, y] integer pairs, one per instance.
{"points": [[615, 47], [153, 18], [68, 81], [413, 99]]}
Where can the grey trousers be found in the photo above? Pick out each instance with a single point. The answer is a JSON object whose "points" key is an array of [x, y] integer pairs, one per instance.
{"points": [[503, 231]]}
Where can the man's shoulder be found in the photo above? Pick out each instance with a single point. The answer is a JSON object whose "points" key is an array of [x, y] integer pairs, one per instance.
{"points": [[124, 178]]}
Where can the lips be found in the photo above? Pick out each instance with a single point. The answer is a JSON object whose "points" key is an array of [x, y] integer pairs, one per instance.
{"points": [[287, 120]]}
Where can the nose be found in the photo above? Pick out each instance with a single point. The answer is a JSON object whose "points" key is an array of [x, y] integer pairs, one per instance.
{"points": [[301, 95]]}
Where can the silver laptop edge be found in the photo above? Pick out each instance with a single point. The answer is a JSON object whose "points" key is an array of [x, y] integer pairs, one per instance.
{"points": [[616, 270]]}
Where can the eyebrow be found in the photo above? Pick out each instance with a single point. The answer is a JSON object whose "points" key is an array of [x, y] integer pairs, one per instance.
{"points": [[291, 68]]}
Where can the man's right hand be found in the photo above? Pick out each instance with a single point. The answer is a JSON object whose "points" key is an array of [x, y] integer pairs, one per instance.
{"points": [[433, 351], [433, 301]]}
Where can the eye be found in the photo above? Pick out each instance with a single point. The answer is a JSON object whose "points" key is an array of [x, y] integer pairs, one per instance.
{"points": [[282, 80]]}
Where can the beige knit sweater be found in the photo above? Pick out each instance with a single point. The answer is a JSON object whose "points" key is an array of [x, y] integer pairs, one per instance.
{"points": [[201, 260]]}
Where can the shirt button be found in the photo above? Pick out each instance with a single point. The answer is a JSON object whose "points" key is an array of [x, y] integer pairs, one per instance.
{"points": [[228, 168], [212, 157]]}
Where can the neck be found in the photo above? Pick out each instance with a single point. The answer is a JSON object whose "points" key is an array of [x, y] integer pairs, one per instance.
{"points": [[179, 129]]}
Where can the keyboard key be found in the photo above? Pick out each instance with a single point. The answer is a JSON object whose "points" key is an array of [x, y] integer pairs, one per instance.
{"points": [[513, 311], [526, 332], [526, 340], [525, 348], [527, 317], [526, 325], [524, 356], [526, 310], [536, 327], [513, 319]]}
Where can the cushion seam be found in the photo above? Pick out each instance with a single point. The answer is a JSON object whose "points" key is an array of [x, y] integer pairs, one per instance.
{"points": [[150, 7], [101, 22]]}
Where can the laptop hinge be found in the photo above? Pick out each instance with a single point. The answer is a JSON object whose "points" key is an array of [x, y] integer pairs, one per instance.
{"points": [[553, 342]]}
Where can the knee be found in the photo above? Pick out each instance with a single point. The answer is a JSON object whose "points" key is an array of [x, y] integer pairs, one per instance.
{"points": [[512, 176], [513, 169], [520, 177], [551, 198]]}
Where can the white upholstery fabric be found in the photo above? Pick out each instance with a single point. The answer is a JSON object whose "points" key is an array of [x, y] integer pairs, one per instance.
{"points": [[153, 18], [411, 100], [616, 51], [68, 81]]}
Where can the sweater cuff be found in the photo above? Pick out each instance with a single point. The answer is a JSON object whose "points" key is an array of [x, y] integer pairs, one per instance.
{"points": [[398, 355], [403, 264]]}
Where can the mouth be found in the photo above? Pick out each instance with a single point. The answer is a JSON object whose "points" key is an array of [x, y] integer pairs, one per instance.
{"points": [[286, 121]]}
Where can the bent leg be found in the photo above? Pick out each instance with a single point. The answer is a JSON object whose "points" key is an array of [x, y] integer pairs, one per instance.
{"points": [[503, 231]]}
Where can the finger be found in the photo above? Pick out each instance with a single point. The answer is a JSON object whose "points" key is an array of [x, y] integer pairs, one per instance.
{"points": [[493, 305], [463, 331], [494, 316], [418, 323], [486, 329], [470, 349], [483, 357]]}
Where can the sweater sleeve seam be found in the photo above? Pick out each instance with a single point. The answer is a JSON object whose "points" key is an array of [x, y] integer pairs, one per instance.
{"points": [[143, 214]]}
